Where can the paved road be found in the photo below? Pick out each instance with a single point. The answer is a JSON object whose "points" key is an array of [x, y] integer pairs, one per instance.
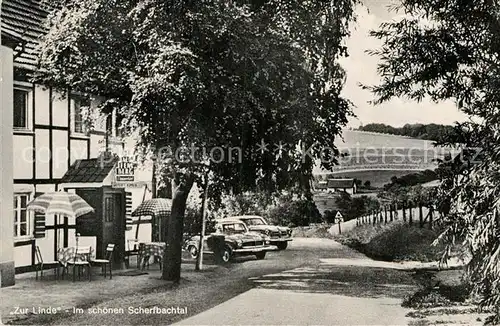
{"points": [[346, 290]]}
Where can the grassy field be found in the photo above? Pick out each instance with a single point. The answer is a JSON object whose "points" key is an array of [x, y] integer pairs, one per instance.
{"points": [[362, 139], [379, 149], [376, 178]]}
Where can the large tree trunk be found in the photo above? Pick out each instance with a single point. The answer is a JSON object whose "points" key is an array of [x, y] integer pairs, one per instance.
{"points": [[181, 185]]}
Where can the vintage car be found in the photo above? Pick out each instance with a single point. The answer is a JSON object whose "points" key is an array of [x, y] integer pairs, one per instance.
{"points": [[280, 235], [238, 241]]}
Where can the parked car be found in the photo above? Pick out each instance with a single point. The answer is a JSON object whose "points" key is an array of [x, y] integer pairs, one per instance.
{"points": [[280, 235], [238, 241]]}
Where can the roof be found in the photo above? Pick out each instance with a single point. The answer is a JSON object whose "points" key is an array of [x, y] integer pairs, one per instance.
{"points": [[89, 170], [340, 183], [25, 18], [228, 220], [322, 185], [243, 217]]}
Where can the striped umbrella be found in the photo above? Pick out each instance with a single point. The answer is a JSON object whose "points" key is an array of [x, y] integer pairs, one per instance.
{"points": [[154, 207], [60, 203]]}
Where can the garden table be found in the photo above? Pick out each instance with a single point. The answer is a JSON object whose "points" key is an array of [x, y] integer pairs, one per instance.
{"points": [[154, 249]]}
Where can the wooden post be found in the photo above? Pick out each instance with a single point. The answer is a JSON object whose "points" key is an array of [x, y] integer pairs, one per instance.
{"points": [[410, 206], [374, 217], [431, 212], [199, 258], [385, 214], [421, 214], [391, 212], [404, 212], [340, 231]]}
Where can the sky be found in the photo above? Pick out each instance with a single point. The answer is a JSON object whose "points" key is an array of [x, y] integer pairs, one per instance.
{"points": [[361, 68]]}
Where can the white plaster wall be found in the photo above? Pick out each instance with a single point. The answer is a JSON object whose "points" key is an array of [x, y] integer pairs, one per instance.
{"points": [[6, 157], [78, 150], [60, 152], [42, 154], [42, 100], [23, 156], [60, 110]]}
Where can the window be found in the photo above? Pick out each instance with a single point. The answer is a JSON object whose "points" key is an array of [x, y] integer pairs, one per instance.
{"points": [[78, 104], [21, 108], [254, 221], [113, 123], [109, 209], [234, 228], [22, 218]]}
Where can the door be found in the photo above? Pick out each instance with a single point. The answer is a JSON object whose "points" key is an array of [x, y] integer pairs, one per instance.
{"points": [[114, 224]]}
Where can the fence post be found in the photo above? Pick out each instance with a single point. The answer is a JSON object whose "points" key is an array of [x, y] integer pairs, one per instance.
{"points": [[374, 218], [391, 212], [410, 206], [404, 212], [431, 212], [385, 214], [421, 213]]}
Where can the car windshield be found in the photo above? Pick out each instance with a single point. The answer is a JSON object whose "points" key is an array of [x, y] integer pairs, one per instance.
{"points": [[234, 228], [254, 221]]}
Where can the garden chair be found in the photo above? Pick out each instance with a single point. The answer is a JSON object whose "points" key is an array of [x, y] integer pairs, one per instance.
{"points": [[78, 263], [108, 261], [132, 250], [40, 264]]}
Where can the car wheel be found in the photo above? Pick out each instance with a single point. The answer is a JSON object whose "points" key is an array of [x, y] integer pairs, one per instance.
{"points": [[282, 245], [193, 251], [226, 255], [261, 255]]}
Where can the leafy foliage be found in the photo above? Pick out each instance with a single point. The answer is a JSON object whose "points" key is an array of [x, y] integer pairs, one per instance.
{"points": [[412, 179], [279, 209], [193, 76], [358, 206], [449, 50], [294, 213]]}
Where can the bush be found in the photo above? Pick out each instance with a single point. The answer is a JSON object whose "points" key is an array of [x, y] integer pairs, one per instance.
{"points": [[300, 212], [393, 242]]}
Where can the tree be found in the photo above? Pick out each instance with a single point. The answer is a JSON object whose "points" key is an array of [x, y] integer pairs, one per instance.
{"points": [[367, 184], [214, 80], [449, 50]]}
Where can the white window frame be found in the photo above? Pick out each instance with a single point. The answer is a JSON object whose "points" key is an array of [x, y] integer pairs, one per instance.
{"points": [[29, 108], [30, 223], [73, 99]]}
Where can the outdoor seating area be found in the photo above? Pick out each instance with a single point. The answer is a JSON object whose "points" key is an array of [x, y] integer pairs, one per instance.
{"points": [[78, 256], [79, 261]]}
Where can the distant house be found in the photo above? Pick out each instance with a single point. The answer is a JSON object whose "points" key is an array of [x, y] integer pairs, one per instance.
{"points": [[322, 186], [346, 185]]}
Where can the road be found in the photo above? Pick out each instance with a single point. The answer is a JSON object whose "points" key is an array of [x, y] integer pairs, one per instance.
{"points": [[302, 285], [345, 290]]}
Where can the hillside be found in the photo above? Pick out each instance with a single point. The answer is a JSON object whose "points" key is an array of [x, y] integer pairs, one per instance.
{"points": [[398, 154]]}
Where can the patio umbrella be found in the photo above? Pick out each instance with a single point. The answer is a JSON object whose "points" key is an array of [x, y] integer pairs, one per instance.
{"points": [[154, 207], [60, 203]]}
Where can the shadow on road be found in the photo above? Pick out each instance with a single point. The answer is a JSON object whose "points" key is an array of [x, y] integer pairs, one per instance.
{"points": [[353, 281]]}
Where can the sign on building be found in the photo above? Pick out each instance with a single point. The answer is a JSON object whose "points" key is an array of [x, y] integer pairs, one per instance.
{"points": [[125, 170]]}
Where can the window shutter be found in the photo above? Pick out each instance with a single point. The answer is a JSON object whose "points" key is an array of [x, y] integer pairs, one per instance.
{"points": [[128, 210], [39, 231]]}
